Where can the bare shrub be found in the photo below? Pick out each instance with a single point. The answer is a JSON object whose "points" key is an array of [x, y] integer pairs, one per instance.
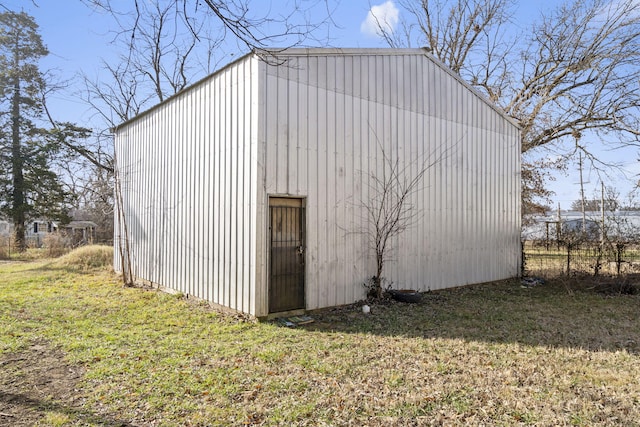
{"points": [[4, 247], [56, 244]]}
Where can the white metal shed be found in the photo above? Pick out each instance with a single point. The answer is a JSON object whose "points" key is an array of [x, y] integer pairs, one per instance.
{"points": [[263, 165]]}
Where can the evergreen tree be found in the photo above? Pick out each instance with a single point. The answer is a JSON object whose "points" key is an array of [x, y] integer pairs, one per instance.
{"points": [[29, 188]]}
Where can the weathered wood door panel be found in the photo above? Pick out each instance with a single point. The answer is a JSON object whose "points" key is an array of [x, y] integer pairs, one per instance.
{"points": [[287, 247]]}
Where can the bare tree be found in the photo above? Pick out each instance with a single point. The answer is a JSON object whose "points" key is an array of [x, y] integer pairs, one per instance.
{"points": [[166, 45], [158, 58], [291, 24], [630, 202], [463, 34], [575, 71], [580, 73], [390, 208], [611, 203]]}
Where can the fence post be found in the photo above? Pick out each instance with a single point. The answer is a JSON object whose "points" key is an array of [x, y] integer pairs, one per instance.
{"points": [[619, 249], [598, 264]]}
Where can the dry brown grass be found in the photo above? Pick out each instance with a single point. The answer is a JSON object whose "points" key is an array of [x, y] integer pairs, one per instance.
{"points": [[4, 248], [56, 245], [86, 258]]}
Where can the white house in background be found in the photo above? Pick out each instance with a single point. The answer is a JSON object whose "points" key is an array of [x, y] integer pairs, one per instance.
{"points": [[5, 228], [247, 188], [34, 231], [75, 232]]}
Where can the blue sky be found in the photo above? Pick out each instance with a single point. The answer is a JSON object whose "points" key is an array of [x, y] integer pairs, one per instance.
{"points": [[78, 38]]}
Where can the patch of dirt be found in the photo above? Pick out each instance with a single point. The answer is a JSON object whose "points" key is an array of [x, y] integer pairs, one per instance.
{"points": [[38, 381], [31, 381]]}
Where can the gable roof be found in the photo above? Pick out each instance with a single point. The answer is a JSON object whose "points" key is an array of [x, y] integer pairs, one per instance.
{"points": [[278, 57]]}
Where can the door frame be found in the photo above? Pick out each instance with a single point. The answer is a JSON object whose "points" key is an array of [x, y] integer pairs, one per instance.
{"points": [[286, 201]]}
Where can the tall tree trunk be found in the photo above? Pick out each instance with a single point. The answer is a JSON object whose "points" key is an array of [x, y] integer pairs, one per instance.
{"points": [[18, 211]]}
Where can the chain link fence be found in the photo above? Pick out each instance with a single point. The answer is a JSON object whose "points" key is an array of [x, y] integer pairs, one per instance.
{"points": [[580, 246], [573, 258]]}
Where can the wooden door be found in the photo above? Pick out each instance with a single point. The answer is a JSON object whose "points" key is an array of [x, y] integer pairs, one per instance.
{"points": [[286, 259]]}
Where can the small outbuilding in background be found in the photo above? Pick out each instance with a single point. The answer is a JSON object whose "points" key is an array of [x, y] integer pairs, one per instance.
{"points": [[249, 189]]}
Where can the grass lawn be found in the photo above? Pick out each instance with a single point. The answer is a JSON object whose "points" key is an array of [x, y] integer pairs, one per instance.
{"points": [[76, 348]]}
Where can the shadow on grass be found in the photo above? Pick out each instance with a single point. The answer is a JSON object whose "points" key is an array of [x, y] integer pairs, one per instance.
{"points": [[26, 411], [555, 314]]}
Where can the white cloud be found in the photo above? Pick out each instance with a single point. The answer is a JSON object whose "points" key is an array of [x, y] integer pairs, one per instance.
{"points": [[384, 17]]}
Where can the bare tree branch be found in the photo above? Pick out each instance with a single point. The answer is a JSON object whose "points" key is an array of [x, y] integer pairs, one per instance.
{"points": [[389, 207], [576, 70]]}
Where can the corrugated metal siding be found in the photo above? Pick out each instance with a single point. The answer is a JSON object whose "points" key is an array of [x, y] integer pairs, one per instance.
{"points": [[198, 169], [189, 178], [328, 117]]}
